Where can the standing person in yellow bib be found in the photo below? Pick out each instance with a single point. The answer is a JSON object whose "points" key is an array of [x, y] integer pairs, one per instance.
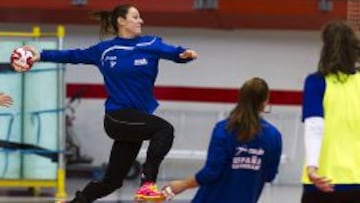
{"points": [[331, 114]]}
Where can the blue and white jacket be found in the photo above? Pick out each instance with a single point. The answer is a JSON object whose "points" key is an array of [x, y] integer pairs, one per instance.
{"points": [[235, 171], [129, 68]]}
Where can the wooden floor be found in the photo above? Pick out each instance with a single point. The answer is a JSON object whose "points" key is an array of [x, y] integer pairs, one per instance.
{"points": [[271, 194]]}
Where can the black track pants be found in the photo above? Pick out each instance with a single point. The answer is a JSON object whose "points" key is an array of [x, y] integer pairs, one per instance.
{"points": [[331, 197], [129, 128]]}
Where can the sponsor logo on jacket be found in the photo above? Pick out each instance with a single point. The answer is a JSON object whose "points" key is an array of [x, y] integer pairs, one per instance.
{"points": [[140, 62], [247, 158]]}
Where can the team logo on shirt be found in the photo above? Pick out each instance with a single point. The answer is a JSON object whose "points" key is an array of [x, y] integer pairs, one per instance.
{"points": [[112, 60], [247, 158], [140, 62], [112, 64]]}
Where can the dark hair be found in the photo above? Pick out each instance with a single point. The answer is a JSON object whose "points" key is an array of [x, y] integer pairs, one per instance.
{"points": [[245, 117], [340, 50], [108, 20]]}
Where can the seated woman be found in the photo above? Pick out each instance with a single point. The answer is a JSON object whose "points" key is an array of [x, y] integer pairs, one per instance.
{"points": [[244, 153]]}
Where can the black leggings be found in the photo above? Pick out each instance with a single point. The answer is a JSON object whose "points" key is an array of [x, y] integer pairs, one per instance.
{"points": [[129, 128], [331, 197]]}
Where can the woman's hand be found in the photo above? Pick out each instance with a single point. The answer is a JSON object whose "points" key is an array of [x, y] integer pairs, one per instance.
{"points": [[188, 54], [178, 186], [34, 51], [5, 100], [320, 182], [173, 188]]}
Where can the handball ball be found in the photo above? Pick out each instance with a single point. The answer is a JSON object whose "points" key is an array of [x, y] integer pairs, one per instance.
{"points": [[22, 57]]}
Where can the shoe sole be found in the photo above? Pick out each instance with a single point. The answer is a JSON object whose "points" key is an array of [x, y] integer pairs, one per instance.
{"points": [[149, 198], [144, 201]]}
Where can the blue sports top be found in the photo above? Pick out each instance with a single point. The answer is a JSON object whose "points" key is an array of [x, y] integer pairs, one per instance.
{"points": [[235, 171], [129, 68]]}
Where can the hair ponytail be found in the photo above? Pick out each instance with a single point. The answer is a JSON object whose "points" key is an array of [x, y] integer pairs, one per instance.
{"points": [[244, 119], [109, 20], [104, 17]]}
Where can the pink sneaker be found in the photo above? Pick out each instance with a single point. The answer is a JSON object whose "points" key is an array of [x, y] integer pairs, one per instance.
{"points": [[148, 191]]}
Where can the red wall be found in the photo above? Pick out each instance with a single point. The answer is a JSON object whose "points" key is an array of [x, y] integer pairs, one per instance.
{"points": [[231, 14]]}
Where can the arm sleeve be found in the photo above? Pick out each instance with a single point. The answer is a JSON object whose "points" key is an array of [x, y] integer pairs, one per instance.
{"points": [[165, 51], [216, 159], [314, 128], [313, 113], [313, 94], [74, 56], [275, 157]]}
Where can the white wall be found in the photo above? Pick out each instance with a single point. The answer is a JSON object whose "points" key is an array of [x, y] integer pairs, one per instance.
{"points": [[226, 59]]}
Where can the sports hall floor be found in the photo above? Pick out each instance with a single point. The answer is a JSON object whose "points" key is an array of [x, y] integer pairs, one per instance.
{"points": [[271, 193]]}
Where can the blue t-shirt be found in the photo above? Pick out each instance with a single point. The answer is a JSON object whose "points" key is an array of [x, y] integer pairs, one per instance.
{"points": [[235, 171], [129, 68]]}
